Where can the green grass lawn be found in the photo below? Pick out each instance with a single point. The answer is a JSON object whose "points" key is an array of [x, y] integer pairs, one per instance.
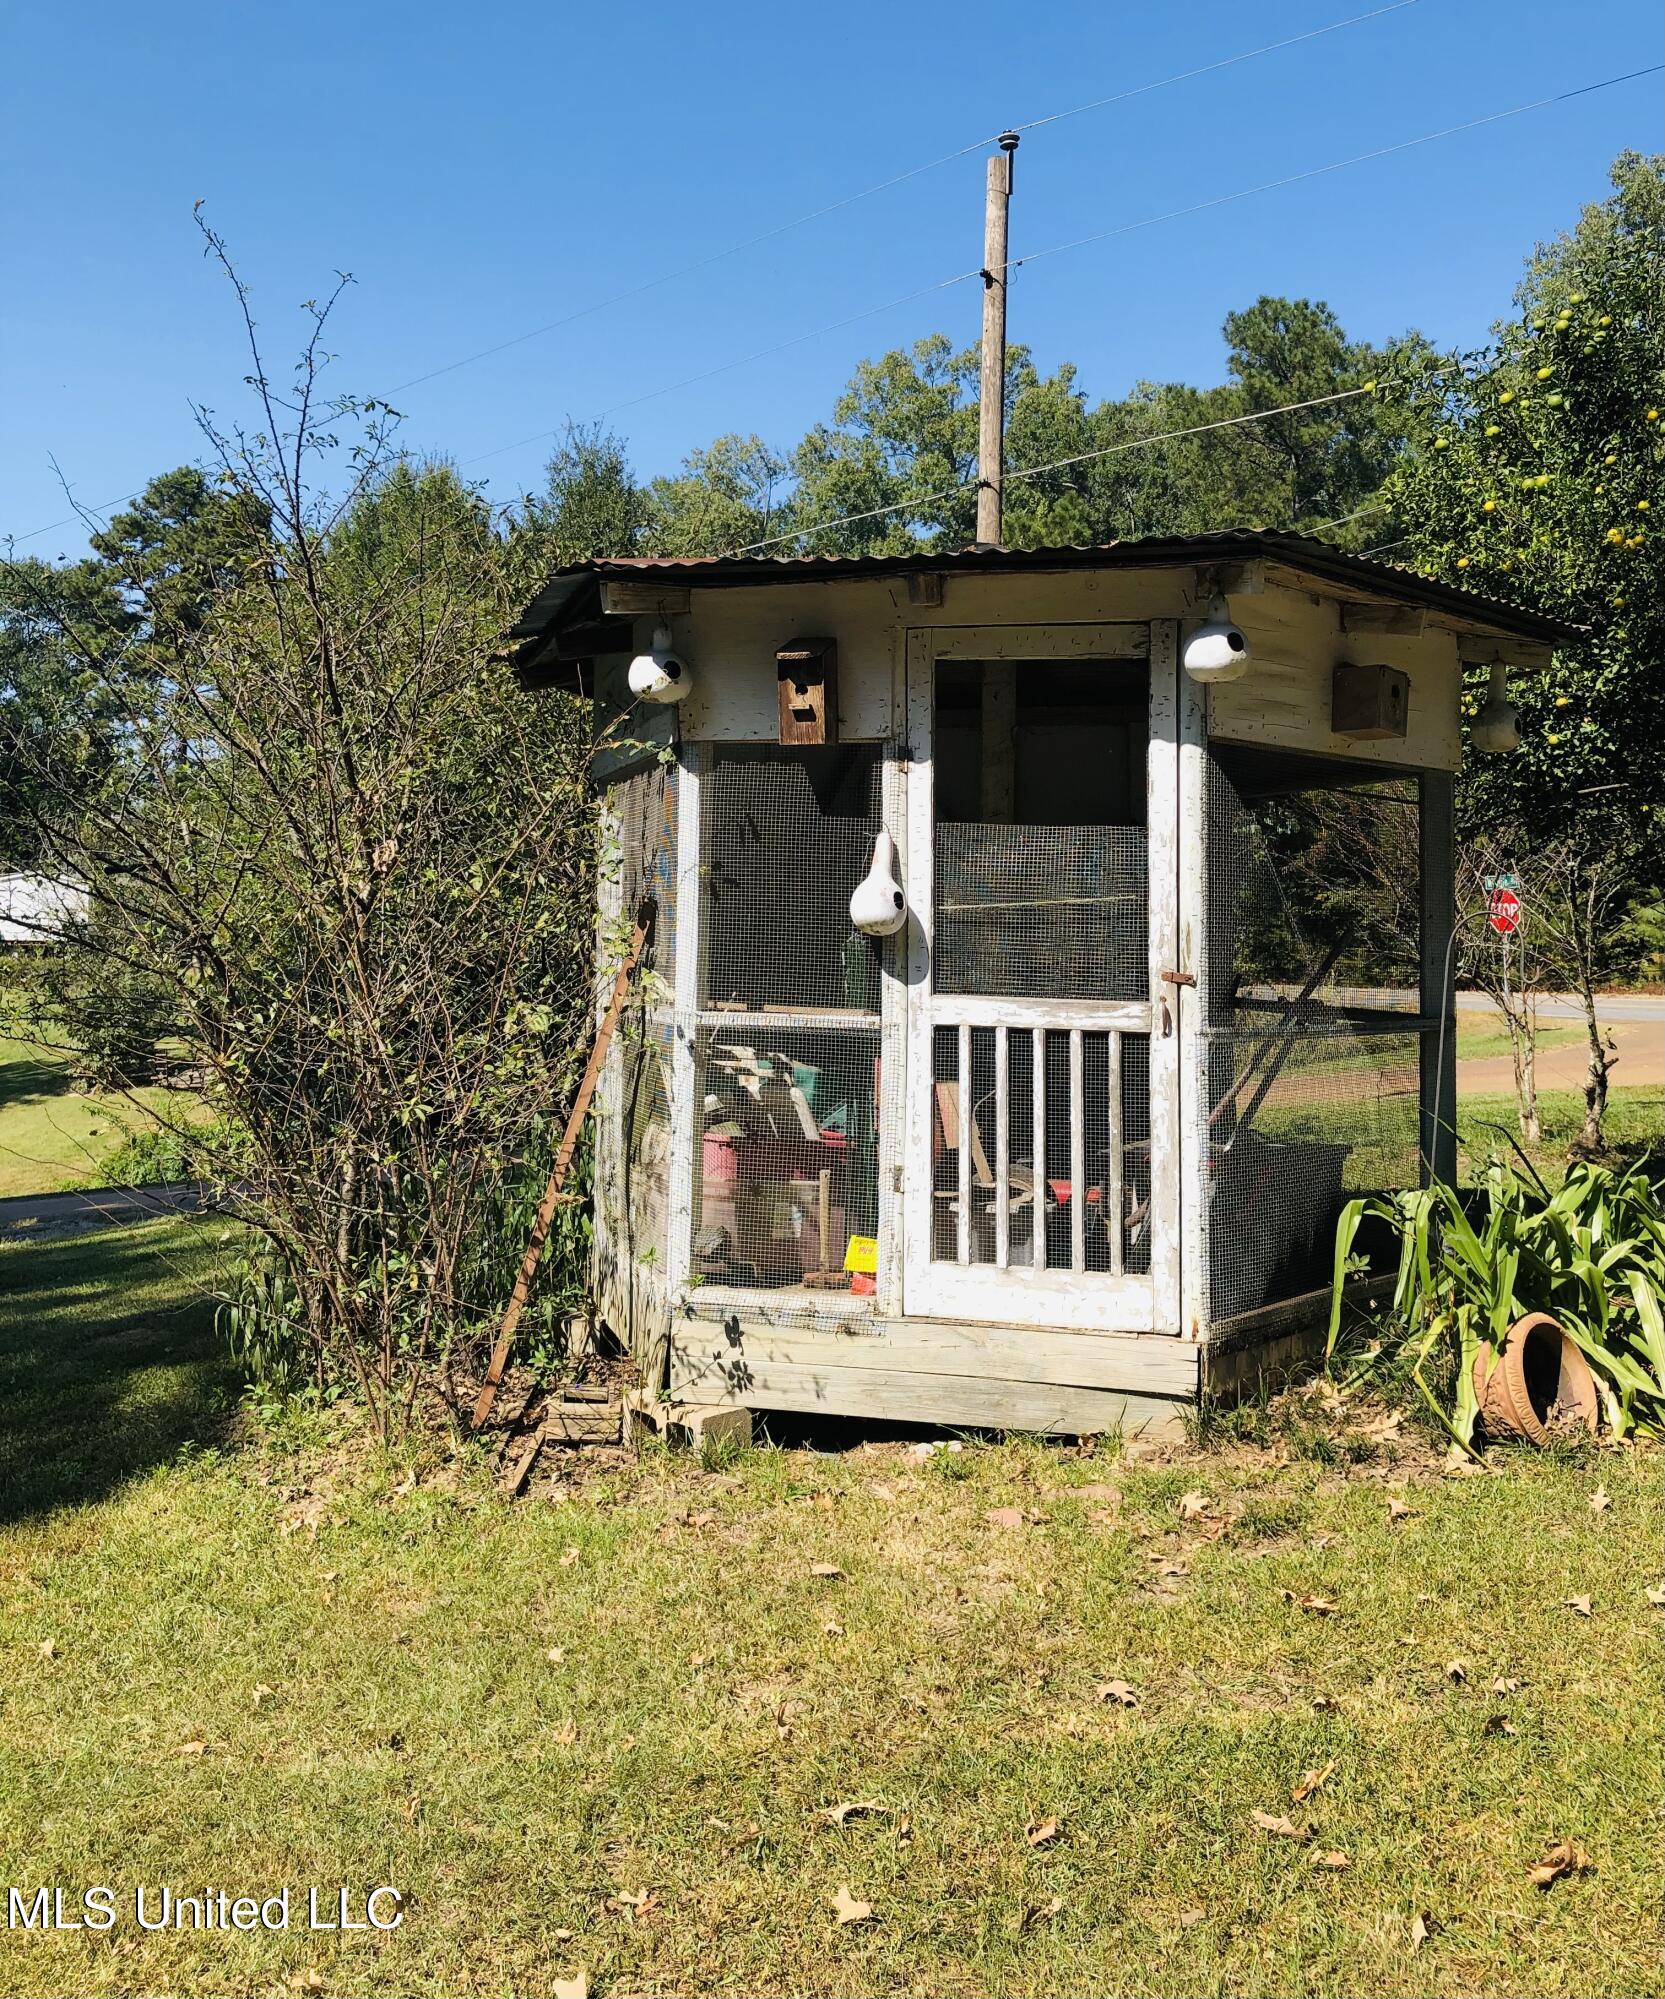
{"points": [[54, 1137], [602, 1729], [1635, 1117]]}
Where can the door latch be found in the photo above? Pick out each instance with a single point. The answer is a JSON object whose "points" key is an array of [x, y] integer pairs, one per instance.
{"points": [[1173, 979]]}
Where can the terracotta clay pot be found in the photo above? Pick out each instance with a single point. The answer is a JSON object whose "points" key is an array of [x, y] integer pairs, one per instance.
{"points": [[1538, 1386]]}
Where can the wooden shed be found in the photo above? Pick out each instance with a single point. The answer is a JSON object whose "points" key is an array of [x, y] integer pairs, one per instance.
{"points": [[1171, 825]]}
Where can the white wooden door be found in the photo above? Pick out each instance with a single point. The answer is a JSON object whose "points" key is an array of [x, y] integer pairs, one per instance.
{"points": [[1041, 1148]]}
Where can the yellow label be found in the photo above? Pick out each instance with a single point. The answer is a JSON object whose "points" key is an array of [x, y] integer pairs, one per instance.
{"points": [[862, 1253]]}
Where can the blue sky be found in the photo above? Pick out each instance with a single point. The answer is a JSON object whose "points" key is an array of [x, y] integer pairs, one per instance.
{"points": [[482, 171]]}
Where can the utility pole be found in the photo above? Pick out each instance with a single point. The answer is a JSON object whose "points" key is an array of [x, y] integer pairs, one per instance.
{"points": [[991, 414]]}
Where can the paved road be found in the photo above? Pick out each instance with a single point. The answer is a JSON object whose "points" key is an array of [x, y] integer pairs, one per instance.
{"points": [[38, 1216], [1567, 1006]]}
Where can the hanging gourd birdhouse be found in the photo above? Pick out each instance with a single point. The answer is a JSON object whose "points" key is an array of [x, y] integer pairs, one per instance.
{"points": [[879, 908]]}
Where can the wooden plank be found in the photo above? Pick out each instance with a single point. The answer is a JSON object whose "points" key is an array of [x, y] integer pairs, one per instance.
{"points": [[986, 1010], [1403, 620], [893, 1049], [1020, 642], [644, 600], [1002, 1149], [1037, 1124], [583, 1423], [1190, 1006], [687, 991], [959, 1401], [1116, 1193], [916, 1162], [1438, 1065], [1172, 710], [963, 1219], [1078, 1156]]}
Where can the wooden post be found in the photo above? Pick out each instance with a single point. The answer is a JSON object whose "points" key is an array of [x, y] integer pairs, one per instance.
{"points": [[1437, 856], [991, 414], [558, 1173]]}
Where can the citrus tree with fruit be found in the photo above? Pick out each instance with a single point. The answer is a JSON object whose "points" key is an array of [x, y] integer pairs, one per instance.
{"points": [[1536, 477]]}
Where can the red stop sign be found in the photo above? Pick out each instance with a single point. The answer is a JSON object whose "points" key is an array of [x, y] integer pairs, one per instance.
{"points": [[1503, 911]]}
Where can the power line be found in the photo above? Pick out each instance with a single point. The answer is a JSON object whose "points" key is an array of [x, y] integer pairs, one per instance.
{"points": [[919, 500], [799, 222], [1335, 166], [883, 187], [1056, 249]]}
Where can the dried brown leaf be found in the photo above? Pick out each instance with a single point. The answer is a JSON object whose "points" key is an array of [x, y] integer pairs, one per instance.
{"points": [[569, 1557], [192, 1749], [1118, 1691], [1192, 1505], [1561, 1856], [1314, 1780], [1040, 1832], [567, 1734], [575, 1987], [1422, 1928], [1456, 1669], [1397, 1509], [1275, 1822], [1599, 1501], [848, 1909], [49, 1648], [1502, 1686], [1004, 1516], [1500, 1724], [854, 1808], [1317, 1606], [1657, 1597], [828, 1571], [1578, 1604], [1331, 1858]]}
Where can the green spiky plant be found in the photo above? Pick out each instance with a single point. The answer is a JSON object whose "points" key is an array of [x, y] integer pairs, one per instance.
{"points": [[1591, 1254]]}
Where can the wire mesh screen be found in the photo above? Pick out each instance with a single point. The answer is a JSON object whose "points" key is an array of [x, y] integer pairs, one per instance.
{"points": [[1040, 1149], [787, 836], [1054, 912], [1311, 1038], [787, 1192]]}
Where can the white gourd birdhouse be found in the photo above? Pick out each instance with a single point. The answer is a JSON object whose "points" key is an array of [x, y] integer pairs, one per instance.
{"points": [[1497, 726], [660, 674], [878, 908], [1216, 651]]}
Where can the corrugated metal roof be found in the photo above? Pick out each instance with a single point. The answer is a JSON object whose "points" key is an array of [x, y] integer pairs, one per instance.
{"points": [[565, 598]]}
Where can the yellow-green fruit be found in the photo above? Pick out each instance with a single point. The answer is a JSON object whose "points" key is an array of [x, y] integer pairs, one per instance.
{"points": [[1550, 736], [1563, 700], [1618, 603], [1653, 416], [1494, 430], [1615, 535], [1605, 320], [1545, 373], [1612, 458], [1508, 396], [1442, 444], [1601, 489], [1488, 506], [1576, 298], [1462, 562], [1555, 399], [1641, 506]]}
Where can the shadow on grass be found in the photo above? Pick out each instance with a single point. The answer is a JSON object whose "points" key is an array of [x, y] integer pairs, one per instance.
{"points": [[30, 1076], [109, 1363]]}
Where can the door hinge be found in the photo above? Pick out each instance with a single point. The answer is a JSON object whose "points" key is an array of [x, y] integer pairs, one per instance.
{"points": [[1180, 978]]}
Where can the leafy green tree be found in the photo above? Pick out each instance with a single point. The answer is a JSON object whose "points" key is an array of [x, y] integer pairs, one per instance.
{"points": [[1537, 479], [591, 505]]}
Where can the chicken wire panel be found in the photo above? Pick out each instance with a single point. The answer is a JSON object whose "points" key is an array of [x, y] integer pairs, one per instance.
{"points": [[1314, 884], [643, 812], [1298, 1124], [787, 835], [1058, 1118], [786, 1186], [1310, 1046], [1042, 912]]}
